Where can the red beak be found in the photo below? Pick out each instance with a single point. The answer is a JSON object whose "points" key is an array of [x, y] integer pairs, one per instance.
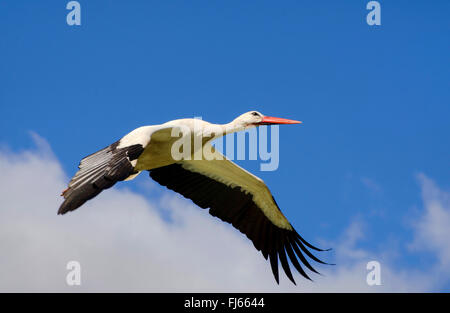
{"points": [[269, 120]]}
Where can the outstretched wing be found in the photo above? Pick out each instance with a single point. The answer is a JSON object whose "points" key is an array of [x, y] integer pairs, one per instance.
{"points": [[100, 171], [242, 199]]}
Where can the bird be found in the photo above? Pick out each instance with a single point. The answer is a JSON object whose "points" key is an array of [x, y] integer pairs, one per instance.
{"points": [[231, 193]]}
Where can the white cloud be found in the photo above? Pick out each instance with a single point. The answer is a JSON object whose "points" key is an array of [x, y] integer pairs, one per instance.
{"points": [[124, 244], [432, 229]]}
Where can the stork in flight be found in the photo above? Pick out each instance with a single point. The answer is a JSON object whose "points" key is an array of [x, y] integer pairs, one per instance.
{"points": [[230, 192]]}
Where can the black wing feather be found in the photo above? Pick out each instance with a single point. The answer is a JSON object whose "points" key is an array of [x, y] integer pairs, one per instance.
{"points": [[99, 171], [236, 207]]}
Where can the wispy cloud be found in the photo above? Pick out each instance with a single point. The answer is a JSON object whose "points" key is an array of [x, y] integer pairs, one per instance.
{"points": [[124, 244], [371, 185], [432, 229]]}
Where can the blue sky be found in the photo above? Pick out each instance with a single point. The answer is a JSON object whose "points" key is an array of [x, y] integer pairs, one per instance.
{"points": [[374, 100]]}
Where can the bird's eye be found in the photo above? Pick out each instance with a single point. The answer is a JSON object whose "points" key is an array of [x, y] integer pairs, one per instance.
{"points": [[255, 114]]}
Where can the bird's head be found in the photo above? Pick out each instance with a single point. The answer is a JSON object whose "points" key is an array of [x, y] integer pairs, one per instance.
{"points": [[255, 118]]}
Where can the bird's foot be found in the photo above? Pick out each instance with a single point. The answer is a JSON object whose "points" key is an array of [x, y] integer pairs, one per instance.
{"points": [[64, 191]]}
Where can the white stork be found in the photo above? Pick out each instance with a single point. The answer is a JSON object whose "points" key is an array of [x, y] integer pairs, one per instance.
{"points": [[230, 192]]}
